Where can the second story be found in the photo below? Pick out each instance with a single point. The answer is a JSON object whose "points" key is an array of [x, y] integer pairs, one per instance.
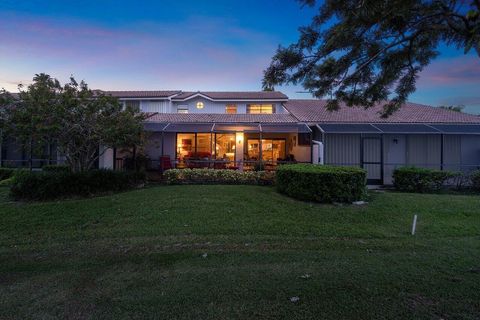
{"points": [[211, 102]]}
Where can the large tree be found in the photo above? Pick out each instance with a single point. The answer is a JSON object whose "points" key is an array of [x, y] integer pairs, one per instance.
{"points": [[82, 123], [364, 51], [28, 116]]}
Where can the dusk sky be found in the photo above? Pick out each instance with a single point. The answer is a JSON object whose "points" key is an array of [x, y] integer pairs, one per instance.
{"points": [[187, 45]]}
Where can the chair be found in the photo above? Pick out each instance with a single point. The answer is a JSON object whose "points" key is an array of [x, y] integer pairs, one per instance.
{"points": [[165, 163]]}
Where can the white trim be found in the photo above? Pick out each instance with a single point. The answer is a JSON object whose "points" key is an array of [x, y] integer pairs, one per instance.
{"points": [[198, 94]]}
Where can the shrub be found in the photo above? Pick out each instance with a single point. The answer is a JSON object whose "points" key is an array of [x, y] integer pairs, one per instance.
{"points": [[475, 180], [218, 176], [6, 173], [60, 184], [413, 179], [56, 168], [321, 183]]}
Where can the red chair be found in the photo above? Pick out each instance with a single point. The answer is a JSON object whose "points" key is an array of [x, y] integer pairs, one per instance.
{"points": [[165, 163]]}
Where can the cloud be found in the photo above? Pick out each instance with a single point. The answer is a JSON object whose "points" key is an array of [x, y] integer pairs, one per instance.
{"points": [[452, 71], [208, 51]]}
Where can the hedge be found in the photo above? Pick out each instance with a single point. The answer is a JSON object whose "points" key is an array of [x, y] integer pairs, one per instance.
{"points": [[321, 183], [56, 168], [61, 184], [218, 176], [6, 173], [475, 179], [413, 179]]}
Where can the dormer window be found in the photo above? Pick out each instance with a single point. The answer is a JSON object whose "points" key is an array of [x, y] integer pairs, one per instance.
{"points": [[199, 105]]}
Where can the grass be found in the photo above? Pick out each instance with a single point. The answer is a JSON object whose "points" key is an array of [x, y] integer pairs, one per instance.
{"points": [[141, 254]]}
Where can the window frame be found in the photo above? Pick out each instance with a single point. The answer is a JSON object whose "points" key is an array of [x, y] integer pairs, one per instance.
{"points": [[261, 108], [231, 107]]}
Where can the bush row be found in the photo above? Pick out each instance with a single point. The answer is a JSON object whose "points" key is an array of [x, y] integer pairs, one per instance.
{"points": [[59, 184], [321, 183], [6, 173], [414, 179], [219, 176], [475, 180]]}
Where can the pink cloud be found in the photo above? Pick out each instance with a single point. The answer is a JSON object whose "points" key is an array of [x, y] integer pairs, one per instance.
{"points": [[452, 71]]}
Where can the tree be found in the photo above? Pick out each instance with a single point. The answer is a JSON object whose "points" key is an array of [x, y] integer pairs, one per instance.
{"points": [[81, 122], [28, 117], [364, 51], [458, 108], [89, 120]]}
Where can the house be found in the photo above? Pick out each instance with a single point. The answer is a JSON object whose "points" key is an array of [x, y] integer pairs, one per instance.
{"points": [[238, 129]]}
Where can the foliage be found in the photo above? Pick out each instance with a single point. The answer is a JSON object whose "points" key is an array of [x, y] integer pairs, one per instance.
{"points": [[458, 108], [6, 173], [30, 118], [413, 179], [475, 179], [218, 176], [78, 119], [363, 52], [321, 183], [56, 168], [60, 184]]}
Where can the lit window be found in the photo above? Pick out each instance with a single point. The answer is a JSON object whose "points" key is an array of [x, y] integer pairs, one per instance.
{"points": [[231, 108], [199, 105], [182, 110], [260, 108]]}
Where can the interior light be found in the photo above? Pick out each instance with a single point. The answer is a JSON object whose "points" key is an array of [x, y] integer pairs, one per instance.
{"points": [[199, 105]]}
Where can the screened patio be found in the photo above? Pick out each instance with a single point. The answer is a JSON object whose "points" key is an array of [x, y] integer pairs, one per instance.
{"points": [[241, 146]]}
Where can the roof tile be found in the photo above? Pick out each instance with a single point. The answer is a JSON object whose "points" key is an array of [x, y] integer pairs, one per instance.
{"points": [[315, 111]]}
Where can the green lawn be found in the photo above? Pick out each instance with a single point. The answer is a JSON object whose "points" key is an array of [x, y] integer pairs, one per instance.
{"points": [[141, 254]]}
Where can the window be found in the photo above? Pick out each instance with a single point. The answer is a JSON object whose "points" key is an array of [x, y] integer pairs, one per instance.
{"points": [[132, 104], [182, 109], [225, 146], [199, 105], [273, 150], [260, 108], [231, 109]]}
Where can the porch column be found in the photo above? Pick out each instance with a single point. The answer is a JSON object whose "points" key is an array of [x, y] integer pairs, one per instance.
{"points": [[239, 145]]}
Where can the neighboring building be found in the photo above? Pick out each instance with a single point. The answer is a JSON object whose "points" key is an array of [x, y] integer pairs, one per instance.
{"points": [[236, 129]]}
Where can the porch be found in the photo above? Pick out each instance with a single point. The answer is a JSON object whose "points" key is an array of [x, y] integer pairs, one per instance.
{"points": [[247, 146]]}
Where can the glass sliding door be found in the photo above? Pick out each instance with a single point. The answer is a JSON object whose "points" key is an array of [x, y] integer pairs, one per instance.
{"points": [[225, 146], [194, 149], [273, 150]]}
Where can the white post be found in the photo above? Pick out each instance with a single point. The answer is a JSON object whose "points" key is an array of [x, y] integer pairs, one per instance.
{"points": [[414, 225]]}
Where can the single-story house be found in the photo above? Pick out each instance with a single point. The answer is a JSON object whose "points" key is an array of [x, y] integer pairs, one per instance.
{"points": [[239, 130]]}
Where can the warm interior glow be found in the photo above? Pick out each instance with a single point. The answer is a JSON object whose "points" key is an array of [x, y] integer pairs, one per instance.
{"points": [[239, 137], [199, 105]]}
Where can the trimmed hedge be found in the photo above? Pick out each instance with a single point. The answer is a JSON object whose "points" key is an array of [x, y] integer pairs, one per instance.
{"points": [[218, 176], [52, 185], [413, 179], [6, 173], [475, 179], [321, 183], [56, 168]]}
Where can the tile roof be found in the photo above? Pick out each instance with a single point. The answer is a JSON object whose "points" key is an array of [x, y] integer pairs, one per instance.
{"points": [[221, 118], [142, 94], [312, 111], [235, 95]]}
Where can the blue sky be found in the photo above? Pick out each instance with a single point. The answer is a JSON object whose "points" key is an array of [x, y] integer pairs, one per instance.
{"points": [[189, 45]]}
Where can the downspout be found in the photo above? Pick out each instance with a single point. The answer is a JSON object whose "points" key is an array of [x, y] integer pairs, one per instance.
{"points": [[321, 159]]}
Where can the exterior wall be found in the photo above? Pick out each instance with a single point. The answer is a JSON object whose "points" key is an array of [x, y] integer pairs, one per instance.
{"points": [[342, 149], [105, 161], [424, 151], [218, 107], [161, 106]]}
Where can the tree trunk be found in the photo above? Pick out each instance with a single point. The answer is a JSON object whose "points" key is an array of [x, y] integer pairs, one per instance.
{"points": [[30, 156]]}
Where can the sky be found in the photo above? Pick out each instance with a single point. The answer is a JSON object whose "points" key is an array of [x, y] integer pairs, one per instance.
{"points": [[216, 45]]}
